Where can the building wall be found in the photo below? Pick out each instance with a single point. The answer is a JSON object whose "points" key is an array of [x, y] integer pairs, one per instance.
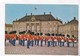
{"points": [[71, 29], [37, 26], [45, 27], [8, 29]]}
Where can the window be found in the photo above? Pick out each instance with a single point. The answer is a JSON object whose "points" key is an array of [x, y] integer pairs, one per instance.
{"points": [[33, 28], [38, 28], [50, 29], [74, 28]]}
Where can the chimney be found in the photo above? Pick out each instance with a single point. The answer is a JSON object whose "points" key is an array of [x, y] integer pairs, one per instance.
{"points": [[50, 12], [31, 14], [44, 13], [74, 18], [68, 21]]}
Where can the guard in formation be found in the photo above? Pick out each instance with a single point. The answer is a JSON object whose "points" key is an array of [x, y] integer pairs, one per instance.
{"points": [[37, 39]]}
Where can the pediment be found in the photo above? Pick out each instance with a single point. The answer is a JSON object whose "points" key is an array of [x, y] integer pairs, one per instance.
{"points": [[33, 18]]}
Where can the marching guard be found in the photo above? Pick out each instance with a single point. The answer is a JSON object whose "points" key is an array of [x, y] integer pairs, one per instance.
{"points": [[32, 39], [19, 38], [73, 39], [67, 41], [23, 37], [62, 40], [52, 40], [37, 39], [55, 40], [59, 40], [6, 37], [28, 40], [41, 40], [13, 39], [48, 41]]}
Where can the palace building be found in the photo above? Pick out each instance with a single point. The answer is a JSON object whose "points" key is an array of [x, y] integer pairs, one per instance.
{"points": [[45, 23]]}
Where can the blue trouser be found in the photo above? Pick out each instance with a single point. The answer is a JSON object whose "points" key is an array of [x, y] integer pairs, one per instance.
{"points": [[32, 42], [37, 42], [73, 44], [19, 42], [67, 44], [45, 42], [60, 43], [53, 43], [28, 43], [23, 42], [48, 43], [41, 42], [13, 42]]}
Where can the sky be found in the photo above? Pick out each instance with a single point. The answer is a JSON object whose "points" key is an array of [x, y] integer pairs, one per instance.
{"points": [[63, 12]]}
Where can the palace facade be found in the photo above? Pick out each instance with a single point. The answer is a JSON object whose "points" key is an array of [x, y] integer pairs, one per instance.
{"points": [[45, 23]]}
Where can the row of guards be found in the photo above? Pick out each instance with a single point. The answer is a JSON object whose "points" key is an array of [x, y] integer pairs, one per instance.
{"points": [[39, 40]]}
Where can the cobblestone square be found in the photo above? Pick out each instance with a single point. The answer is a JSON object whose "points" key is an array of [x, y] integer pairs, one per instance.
{"points": [[38, 50]]}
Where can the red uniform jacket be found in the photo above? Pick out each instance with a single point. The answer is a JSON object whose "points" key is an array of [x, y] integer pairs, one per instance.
{"points": [[28, 37], [35, 37], [41, 38], [19, 37], [72, 39], [13, 36], [67, 39], [23, 36], [52, 38], [38, 37], [6, 36], [59, 38]]}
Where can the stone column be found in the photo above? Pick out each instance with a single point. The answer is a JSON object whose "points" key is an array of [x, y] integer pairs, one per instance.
{"points": [[35, 27], [30, 27]]}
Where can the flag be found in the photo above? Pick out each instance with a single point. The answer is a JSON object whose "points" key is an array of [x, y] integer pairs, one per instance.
{"points": [[35, 8]]}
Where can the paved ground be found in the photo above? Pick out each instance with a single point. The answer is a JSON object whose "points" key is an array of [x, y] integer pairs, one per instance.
{"points": [[37, 50]]}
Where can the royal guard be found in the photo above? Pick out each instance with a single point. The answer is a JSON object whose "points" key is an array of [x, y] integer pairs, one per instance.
{"points": [[59, 40], [28, 39], [45, 39], [38, 39], [32, 39], [73, 39], [35, 39], [52, 40], [13, 39], [9, 38], [55, 40], [23, 39], [6, 37], [41, 40], [19, 38], [49, 41], [67, 40], [62, 40]]}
